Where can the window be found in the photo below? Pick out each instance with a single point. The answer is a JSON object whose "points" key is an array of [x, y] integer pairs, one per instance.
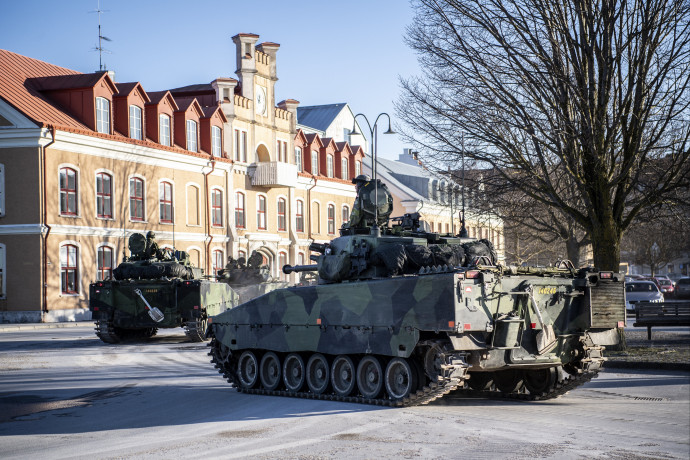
{"points": [[191, 136], [104, 199], [136, 199], [282, 261], [261, 213], [315, 217], [344, 173], [217, 261], [314, 162], [298, 159], [215, 141], [165, 199], [358, 168], [440, 228], [239, 210], [300, 259], [102, 115], [329, 165], [299, 216], [135, 131], [104, 263], [69, 269], [68, 192], [331, 219], [345, 214], [217, 208], [164, 129], [281, 215], [194, 257], [240, 145], [242, 255], [193, 205]]}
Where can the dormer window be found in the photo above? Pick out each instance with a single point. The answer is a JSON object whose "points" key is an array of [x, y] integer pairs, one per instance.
{"points": [[164, 129], [314, 162], [343, 169], [215, 141], [329, 165], [191, 136], [135, 131], [102, 115]]}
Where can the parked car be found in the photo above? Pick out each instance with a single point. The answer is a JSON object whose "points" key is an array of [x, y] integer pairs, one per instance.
{"points": [[665, 285], [641, 291], [683, 288]]}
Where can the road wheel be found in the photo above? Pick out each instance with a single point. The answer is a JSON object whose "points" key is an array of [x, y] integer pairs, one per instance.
{"points": [[318, 375], [480, 381], [343, 376], [509, 381], [293, 372], [270, 371], [540, 381], [370, 377], [401, 379], [247, 370]]}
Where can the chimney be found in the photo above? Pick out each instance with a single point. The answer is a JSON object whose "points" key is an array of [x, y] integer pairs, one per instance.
{"points": [[225, 95], [271, 49], [246, 62], [291, 106]]}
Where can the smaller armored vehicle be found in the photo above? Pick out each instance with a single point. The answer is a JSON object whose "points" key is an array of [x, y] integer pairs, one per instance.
{"points": [[249, 279], [152, 289]]}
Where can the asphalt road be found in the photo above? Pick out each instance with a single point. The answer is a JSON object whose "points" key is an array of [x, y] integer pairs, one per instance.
{"points": [[65, 394]]}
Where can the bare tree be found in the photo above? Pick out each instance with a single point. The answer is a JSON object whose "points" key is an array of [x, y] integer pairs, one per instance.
{"points": [[588, 96]]}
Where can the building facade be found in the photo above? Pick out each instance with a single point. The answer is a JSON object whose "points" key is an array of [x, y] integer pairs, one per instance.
{"points": [[215, 169]]}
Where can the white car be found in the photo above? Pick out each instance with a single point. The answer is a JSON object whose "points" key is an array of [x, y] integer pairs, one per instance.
{"points": [[641, 291]]}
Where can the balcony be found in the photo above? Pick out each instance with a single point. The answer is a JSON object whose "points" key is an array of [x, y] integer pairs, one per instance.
{"points": [[275, 174]]}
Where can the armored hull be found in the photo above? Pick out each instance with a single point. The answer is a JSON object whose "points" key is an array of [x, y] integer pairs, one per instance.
{"points": [[373, 332]]}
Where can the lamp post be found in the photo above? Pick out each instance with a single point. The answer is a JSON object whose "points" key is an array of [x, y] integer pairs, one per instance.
{"points": [[374, 141]]}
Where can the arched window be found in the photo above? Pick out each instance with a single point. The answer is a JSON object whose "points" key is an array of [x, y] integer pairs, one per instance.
{"points": [[194, 257], [165, 199], [329, 165], [344, 173], [191, 135], [136, 199], [281, 215], [261, 213], [69, 269], [300, 259], [68, 192], [104, 263], [164, 129], [331, 219], [345, 214], [314, 162], [282, 261], [239, 210], [135, 131], [104, 199], [315, 218], [218, 261], [241, 255], [298, 159], [102, 115], [216, 208], [299, 216], [216, 144]]}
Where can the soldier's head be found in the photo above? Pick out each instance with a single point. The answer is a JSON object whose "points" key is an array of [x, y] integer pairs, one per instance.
{"points": [[360, 180], [150, 235]]}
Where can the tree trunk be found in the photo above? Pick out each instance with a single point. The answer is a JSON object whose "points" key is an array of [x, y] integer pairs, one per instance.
{"points": [[606, 246], [573, 248]]}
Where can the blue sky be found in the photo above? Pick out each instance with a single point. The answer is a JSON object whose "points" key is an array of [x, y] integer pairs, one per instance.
{"points": [[330, 51]]}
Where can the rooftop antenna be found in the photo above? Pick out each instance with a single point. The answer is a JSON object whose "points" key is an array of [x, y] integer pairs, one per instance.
{"points": [[101, 38]]}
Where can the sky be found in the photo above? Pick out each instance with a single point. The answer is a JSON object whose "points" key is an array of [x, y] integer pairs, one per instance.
{"points": [[331, 52]]}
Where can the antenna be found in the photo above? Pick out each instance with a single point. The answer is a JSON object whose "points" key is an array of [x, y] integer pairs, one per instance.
{"points": [[101, 38]]}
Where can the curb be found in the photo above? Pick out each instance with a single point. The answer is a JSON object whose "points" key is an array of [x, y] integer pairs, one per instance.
{"points": [[35, 326], [647, 365]]}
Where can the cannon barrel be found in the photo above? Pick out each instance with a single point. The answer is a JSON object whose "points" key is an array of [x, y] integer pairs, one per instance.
{"points": [[287, 269]]}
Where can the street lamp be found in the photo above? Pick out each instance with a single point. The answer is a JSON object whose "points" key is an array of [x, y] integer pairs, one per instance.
{"points": [[374, 141]]}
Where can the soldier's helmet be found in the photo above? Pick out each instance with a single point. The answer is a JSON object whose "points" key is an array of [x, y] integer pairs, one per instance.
{"points": [[150, 235], [361, 179]]}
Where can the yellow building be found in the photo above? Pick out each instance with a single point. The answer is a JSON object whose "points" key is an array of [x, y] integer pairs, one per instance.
{"points": [[86, 161]]}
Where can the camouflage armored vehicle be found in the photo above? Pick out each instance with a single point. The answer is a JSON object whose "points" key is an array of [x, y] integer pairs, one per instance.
{"points": [[154, 289], [249, 279], [402, 317]]}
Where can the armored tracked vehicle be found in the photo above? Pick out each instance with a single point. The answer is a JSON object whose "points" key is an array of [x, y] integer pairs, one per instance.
{"points": [[154, 289], [401, 317], [249, 279]]}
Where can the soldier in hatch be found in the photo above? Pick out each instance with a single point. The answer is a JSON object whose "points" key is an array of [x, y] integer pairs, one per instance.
{"points": [[152, 250], [364, 213], [356, 216]]}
